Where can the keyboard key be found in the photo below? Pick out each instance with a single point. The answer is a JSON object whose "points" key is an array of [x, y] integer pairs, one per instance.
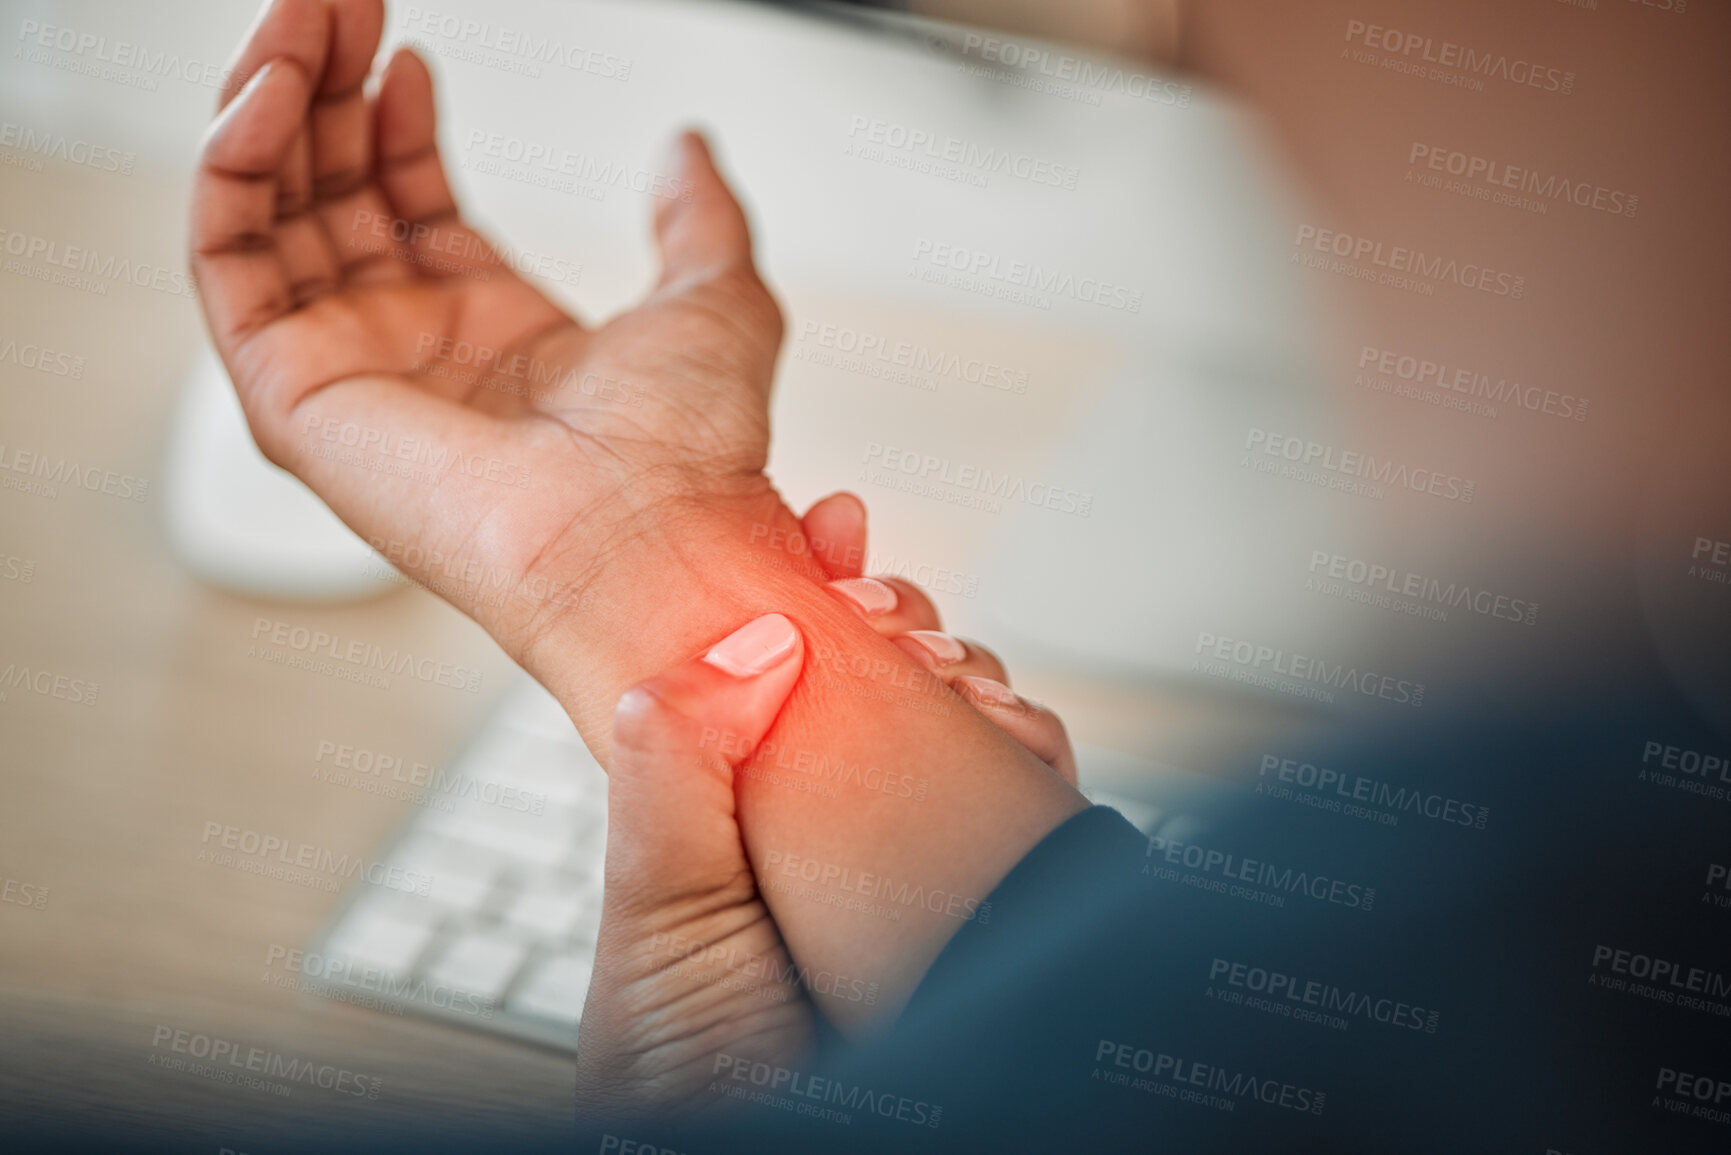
{"points": [[382, 931], [555, 987], [456, 874], [479, 963], [547, 908]]}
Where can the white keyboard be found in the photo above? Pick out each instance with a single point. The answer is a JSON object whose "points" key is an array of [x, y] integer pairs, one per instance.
{"points": [[486, 910], [491, 922]]}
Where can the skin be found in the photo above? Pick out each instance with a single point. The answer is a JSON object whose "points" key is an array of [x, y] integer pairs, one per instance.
{"points": [[625, 542], [690, 968]]}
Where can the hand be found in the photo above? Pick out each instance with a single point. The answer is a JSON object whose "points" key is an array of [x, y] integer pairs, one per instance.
{"points": [[690, 966], [631, 536], [353, 352], [835, 532]]}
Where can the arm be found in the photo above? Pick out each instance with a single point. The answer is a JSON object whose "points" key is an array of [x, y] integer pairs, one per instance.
{"points": [[628, 544]]}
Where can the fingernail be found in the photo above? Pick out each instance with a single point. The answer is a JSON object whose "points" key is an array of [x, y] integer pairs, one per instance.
{"points": [[257, 79], [755, 647], [990, 692], [868, 595], [943, 648]]}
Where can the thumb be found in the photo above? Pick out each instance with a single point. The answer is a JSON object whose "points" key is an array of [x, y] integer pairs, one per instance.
{"points": [[676, 741], [700, 228]]}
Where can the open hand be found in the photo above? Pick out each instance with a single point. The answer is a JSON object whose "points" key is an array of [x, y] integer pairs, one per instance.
{"points": [[348, 300]]}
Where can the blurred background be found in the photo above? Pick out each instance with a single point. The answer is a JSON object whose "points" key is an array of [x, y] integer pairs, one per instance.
{"points": [[1333, 350]]}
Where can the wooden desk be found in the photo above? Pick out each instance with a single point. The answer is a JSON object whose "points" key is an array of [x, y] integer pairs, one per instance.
{"points": [[106, 804]]}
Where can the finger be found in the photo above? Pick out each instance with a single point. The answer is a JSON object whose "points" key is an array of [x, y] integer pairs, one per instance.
{"points": [[297, 30], [1025, 720], [294, 190], [950, 657], [699, 226], [341, 120], [303, 246], [709, 289], [891, 605], [835, 534], [308, 261], [242, 281], [342, 144], [676, 740], [425, 227]]}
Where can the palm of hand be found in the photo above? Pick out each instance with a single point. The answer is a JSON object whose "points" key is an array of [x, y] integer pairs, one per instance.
{"points": [[449, 411]]}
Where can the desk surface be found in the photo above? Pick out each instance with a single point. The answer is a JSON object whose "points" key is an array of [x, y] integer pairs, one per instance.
{"points": [[106, 804]]}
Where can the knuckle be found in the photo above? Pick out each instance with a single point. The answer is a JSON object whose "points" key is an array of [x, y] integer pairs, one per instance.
{"points": [[638, 718]]}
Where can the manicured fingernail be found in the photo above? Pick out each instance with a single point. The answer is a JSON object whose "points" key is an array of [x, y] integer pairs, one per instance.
{"points": [[990, 692], [755, 647], [868, 595], [943, 648], [257, 80]]}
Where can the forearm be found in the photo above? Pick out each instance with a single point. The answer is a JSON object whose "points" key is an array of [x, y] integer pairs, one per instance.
{"points": [[843, 800]]}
